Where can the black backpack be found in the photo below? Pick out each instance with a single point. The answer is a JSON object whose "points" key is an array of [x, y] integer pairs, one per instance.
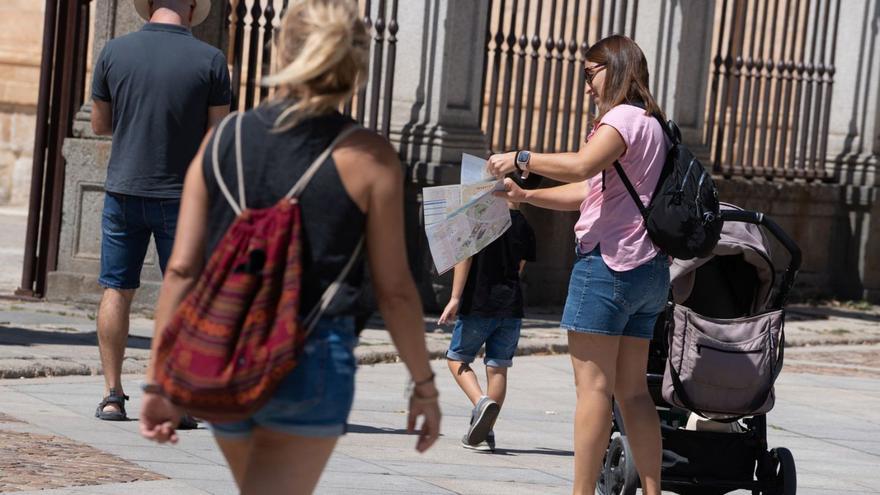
{"points": [[682, 218]]}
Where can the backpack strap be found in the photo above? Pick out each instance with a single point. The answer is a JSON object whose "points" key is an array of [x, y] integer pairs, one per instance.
{"points": [[239, 206], [327, 297], [301, 184], [629, 187]]}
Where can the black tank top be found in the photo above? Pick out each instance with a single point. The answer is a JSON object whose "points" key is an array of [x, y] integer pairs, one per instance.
{"points": [[273, 161]]}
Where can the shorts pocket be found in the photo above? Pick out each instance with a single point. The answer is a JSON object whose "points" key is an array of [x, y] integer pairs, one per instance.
{"points": [[304, 387]]}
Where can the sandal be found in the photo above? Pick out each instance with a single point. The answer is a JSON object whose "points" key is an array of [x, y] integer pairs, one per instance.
{"points": [[116, 399]]}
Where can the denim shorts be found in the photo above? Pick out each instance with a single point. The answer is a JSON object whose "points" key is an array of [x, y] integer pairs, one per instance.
{"points": [[126, 226], [607, 302], [500, 335], [314, 400]]}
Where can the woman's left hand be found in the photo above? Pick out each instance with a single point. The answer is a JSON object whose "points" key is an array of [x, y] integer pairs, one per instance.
{"points": [[159, 418], [502, 164]]}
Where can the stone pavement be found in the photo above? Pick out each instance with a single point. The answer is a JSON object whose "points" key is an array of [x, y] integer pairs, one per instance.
{"points": [[53, 339], [831, 424]]}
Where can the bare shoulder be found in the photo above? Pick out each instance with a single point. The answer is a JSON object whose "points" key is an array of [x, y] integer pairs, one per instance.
{"points": [[368, 152]]}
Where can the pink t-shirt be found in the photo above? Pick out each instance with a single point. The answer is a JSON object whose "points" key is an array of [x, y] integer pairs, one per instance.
{"points": [[610, 218]]}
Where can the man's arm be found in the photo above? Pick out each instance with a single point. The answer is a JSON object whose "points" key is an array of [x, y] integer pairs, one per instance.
{"points": [[215, 115], [102, 117]]}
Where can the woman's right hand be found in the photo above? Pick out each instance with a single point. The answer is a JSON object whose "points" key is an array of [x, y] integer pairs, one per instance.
{"points": [[424, 402], [511, 192]]}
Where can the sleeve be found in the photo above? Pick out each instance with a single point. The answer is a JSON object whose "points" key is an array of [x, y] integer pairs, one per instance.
{"points": [[100, 88], [221, 88], [623, 118]]}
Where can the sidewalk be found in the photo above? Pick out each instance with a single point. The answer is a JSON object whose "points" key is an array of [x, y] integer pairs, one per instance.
{"points": [[47, 339], [829, 423]]}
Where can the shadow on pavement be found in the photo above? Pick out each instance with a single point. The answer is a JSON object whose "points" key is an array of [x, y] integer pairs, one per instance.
{"points": [[539, 450], [27, 337], [352, 428]]}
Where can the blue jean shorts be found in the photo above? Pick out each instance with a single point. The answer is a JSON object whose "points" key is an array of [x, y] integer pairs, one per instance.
{"points": [[607, 302], [501, 335], [126, 226], [314, 400]]}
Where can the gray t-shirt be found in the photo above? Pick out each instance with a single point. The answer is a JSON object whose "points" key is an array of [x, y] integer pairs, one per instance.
{"points": [[160, 82]]}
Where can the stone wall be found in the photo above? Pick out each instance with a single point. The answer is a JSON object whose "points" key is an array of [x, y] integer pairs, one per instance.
{"points": [[21, 31]]}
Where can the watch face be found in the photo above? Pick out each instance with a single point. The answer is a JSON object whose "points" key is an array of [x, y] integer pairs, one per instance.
{"points": [[523, 156]]}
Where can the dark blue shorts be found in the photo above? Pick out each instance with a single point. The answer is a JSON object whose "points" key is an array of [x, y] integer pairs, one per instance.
{"points": [[314, 400], [606, 302], [126, 226], [501, 336]]}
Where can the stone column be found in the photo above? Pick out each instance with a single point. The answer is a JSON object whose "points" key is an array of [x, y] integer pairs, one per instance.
{"points": [[436, 108], [676, 37], [86, 157]]}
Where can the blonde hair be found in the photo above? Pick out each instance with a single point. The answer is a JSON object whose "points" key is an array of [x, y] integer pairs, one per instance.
{"points": [[323, 51]]}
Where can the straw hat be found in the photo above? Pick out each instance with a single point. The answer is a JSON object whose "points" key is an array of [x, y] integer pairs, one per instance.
{"points": [[203, 7]]}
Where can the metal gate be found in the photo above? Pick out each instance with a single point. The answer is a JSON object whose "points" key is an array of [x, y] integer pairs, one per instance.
{"points": [[533, 84], [66, 28], [252, 26], [771, 84]]}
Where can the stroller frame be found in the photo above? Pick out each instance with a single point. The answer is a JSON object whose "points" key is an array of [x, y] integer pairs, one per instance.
{"points": [[772, 472]]}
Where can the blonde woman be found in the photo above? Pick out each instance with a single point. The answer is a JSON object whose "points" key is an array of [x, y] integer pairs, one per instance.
{"points": [[620, 280], [358, 192]]}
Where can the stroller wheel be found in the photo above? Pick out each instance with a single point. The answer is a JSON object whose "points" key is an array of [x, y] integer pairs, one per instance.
{"points": [[786, 476], [619, 475]]}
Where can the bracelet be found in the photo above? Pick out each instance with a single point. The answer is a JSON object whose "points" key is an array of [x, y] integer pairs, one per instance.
{"points": [[426, 381], [151, 388]]}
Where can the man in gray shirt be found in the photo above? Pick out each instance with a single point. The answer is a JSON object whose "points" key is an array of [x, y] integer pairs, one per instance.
{"points": [[157, 91]]}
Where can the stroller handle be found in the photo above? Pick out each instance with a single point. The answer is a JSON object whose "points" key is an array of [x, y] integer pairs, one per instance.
{"points": [[794, 251]]}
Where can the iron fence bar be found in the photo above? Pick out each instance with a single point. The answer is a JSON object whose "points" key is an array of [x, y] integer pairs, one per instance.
{"points": [[253, 47], [816, 111], [577, 136], [829, 87], [391, 58], [600, 19], [362, 94], [82, 44], [378, 56], [800, 69], [268, 35], [571, 58], [523, 43], [29, 266], [559, 55], [766, 92], [533, 77], [717, 62], [549, 45], [237, 50], [758, 58], [742, 164], [497, 38], [807, 103], [611, 14], [621, 17], [736, 73], [783, 87], [508, 76], [635, 15]]}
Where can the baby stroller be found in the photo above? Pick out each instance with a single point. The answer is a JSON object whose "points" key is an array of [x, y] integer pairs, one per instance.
{"points": [[733, 296]]}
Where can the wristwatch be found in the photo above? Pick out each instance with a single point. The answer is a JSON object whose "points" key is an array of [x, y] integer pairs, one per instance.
{"points": [[522, 162]]}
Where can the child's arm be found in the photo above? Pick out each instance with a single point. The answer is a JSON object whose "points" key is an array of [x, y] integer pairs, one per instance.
{"points": [[459, 279], [522, 266]]}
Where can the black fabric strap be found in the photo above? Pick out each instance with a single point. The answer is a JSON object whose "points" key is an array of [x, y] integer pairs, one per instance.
{"points": [[629, 187]]}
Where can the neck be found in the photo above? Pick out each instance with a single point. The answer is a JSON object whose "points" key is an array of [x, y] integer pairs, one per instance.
{"points": [[164, 15]]}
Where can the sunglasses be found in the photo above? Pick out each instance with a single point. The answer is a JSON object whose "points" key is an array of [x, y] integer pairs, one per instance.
{"points": [[590, 72]]}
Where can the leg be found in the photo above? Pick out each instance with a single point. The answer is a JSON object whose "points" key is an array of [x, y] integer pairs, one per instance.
{"points": [[594, 359], [496, 383], [236, 451], [124, 241], [639, 412], [112, 336], [466, 379], [280, 463]]}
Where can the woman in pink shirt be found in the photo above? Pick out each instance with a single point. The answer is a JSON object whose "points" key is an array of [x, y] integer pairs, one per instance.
{"points": [[620, 280]]}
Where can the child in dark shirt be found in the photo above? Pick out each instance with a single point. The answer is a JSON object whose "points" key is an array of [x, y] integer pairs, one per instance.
{"points": [[487, 300]]}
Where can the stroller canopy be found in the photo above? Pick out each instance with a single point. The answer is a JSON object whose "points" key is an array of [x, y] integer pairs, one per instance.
{"points": [[735, 281]]}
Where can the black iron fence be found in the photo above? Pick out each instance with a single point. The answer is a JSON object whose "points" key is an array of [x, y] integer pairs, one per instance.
{"points": [[533, 85], [253, 25], [771, 83]]}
